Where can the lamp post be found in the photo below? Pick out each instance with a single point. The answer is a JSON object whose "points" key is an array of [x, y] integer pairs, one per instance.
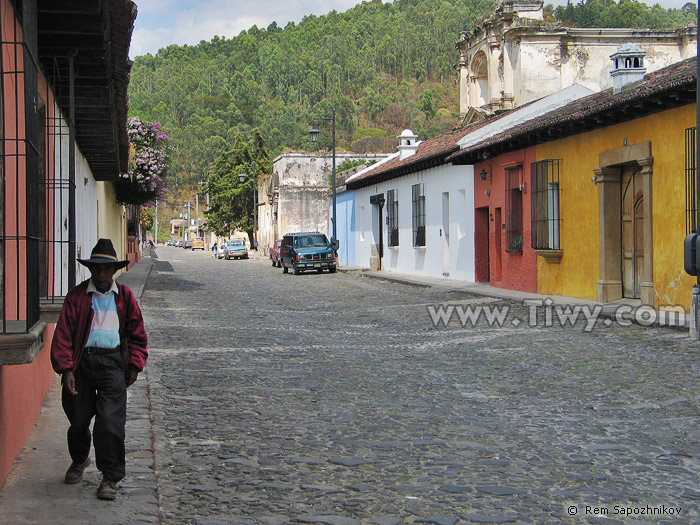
{"points": [[314, 133], [202, 184], [242, 177]]}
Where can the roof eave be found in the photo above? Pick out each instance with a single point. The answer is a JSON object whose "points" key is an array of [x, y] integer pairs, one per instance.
{"points": [[97, 34]]}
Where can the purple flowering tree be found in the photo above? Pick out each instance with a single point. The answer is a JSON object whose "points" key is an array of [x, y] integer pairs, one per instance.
{"points": [[147, 178]]}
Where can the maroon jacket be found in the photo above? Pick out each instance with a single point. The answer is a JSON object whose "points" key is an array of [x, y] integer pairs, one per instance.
{"points": [[74, 324]]}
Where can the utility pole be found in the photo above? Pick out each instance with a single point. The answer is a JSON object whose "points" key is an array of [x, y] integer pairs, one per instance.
{"points": [[196, 204], [189, 221], [254, 244], [206, 236]]}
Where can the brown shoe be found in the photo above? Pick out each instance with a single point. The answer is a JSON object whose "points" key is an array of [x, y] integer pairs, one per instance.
{"points": [[107, 490], [75, 472]]}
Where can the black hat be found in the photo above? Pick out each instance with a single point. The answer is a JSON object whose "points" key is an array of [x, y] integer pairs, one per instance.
{"points": [[104, 253]]}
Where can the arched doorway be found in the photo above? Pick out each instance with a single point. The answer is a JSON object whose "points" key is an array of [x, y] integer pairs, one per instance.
{"points": [[480, 80]]}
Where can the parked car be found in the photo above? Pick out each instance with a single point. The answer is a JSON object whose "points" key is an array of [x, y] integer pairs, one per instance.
{"points": [[187, 244], [180, 242], [172, 242], [307, 251], [198, 244], [235, 249], [275, 254]]}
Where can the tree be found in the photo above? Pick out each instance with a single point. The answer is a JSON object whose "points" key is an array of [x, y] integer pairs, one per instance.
{"points": [[427, 103], [230, 200]]}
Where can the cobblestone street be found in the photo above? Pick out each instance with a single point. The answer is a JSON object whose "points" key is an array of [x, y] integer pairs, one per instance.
{"points": [[334, 399]]}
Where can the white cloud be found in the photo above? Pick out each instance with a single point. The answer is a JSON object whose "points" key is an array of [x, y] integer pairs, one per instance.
{"points": [[164, 22]]}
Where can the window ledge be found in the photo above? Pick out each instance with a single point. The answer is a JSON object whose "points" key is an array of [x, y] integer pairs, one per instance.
{"points": [[419, 247], [50, 312], [22, 349], [551, 256]]}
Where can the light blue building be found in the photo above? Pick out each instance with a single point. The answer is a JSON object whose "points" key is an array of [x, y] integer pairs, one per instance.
{"points": [[345, 210]]}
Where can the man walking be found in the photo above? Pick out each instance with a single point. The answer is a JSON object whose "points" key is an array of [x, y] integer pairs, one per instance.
{"points": [[99, 347]]}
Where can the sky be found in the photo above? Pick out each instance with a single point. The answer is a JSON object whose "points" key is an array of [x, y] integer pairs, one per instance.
{"points": [[163, 22]]}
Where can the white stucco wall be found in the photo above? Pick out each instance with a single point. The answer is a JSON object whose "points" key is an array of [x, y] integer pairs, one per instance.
{"points": [[455, 181], [527, 63], [303, 192], [301, 188], [268, 198], [85, 211], [60, 209], [544, 69]]}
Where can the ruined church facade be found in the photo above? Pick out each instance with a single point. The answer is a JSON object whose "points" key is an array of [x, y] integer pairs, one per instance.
{"points": [[515, 56]]}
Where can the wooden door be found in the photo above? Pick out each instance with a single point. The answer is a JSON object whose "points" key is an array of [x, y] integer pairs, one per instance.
{"points": [[632, 231]]}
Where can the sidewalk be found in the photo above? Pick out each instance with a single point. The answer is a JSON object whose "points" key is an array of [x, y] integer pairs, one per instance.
{"points": [[34, 492], [625, 310]]}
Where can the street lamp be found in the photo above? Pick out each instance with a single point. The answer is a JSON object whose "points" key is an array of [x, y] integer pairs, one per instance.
{"points": [[314, 133], [242, 177]]}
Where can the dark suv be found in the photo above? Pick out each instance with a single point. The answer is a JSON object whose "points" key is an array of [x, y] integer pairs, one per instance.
{"points": [[307, 251]]}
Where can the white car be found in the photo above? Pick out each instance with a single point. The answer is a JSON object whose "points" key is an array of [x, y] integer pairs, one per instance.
{"points": [[235, 249]]}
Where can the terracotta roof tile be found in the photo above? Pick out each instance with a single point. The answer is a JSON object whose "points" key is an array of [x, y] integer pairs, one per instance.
{"points": [[596, 109], [671, 86], [435, 149]]}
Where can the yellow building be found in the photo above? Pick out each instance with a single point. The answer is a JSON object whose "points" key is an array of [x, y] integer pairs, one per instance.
{"points": [[608, 191], [622, 210]]}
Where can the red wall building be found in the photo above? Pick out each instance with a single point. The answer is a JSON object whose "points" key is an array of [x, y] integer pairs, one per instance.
{"points": [[504, 256]]}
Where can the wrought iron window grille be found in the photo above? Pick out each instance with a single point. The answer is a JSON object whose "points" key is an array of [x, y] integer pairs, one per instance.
{"points": [[418, 204], [20, 229], [514, 209], [690, 181], [545, 200], [393, 217]]}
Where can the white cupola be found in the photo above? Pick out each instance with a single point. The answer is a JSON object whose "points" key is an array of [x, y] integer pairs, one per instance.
{"points": [[628, 67], [408, 144]]}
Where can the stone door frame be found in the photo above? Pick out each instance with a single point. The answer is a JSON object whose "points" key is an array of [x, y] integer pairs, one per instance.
{"points": [[608, 179]]}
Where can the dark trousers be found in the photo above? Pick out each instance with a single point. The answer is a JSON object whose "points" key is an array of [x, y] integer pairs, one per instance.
{"points": [[101, 387]]}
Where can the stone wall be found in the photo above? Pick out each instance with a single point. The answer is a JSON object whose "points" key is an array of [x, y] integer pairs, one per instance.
{"points": [[296, 196]]}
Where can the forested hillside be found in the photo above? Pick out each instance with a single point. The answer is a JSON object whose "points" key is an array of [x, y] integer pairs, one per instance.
{"points": [[608, 13], [383, 66]]}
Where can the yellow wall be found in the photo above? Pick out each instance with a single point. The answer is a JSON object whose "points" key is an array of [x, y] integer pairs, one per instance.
{"points": [[111, 221], [578, 272]]}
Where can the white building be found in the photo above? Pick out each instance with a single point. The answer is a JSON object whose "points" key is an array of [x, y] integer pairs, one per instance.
{"points": [[414, 214], [514, 56], [295, 197]]}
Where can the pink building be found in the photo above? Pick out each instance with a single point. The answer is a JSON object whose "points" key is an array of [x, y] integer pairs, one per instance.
{"points": [[62, 140]]}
